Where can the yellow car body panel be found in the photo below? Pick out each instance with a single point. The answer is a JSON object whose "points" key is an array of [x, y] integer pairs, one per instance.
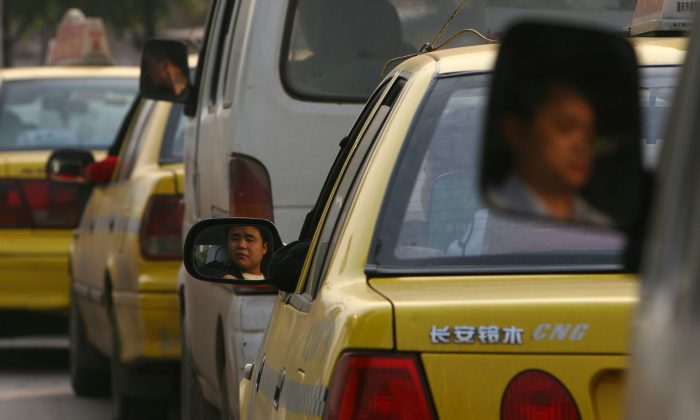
{"points": [[554, 311], [144, 300], [33, 261], [574, 326], [460, 391]]}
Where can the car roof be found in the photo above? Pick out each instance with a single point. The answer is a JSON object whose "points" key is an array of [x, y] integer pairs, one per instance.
{"points": [[59, 72], [650, 51]]}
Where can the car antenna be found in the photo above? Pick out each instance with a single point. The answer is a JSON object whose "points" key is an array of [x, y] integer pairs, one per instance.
{"points": [[430, 46]]}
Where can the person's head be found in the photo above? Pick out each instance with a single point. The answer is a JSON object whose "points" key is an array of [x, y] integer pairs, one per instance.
{"points": [[552, 141], [163, 73], [247, 248]]}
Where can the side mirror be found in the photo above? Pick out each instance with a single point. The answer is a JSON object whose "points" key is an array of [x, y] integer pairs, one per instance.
{"points": [[69, 166], [165, 71], [235, 250], [562, 139]]}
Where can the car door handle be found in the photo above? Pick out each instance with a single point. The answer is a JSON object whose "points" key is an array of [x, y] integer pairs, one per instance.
{"points": [[91, 228], [278, 389], [248, 370], [111, 225]]}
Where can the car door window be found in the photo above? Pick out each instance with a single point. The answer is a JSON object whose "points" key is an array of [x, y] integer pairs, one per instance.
{"points": [[336, 206], [135, 139]]}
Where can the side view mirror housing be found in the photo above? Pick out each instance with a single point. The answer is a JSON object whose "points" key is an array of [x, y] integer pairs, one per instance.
{"points": [[69, 166], [165, 71], [231, 250], [562, 137]]}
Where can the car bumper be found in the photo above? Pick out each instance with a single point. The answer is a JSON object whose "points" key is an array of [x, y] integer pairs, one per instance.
{"points": [[34, 270]]}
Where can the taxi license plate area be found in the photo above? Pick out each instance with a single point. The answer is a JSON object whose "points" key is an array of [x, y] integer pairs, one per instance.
{"points": [[471, 386]]}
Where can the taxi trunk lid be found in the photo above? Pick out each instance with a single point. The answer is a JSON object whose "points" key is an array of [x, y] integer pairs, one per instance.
{"points": [[475, 334]]}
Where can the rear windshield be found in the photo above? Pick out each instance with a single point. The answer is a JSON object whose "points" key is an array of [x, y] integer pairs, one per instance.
{"points": [[434, 218], [57, 113], [336, 49]]}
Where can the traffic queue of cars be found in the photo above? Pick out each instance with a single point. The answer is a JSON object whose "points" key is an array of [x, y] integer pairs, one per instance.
{"points": [[414, 289]]}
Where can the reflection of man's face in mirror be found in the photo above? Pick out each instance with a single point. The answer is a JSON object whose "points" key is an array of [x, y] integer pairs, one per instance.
{"points": [[246, 248], [163, 73], [553, 149]]}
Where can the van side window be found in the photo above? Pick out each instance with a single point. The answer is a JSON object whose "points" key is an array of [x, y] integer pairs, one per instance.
{"points": [[336, 210], [225, 28]]}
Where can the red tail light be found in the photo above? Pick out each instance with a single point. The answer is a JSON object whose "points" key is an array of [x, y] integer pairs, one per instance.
{"points": [[378, 386], [250, 192], [161, 228], [40, 204], [536, 395]]}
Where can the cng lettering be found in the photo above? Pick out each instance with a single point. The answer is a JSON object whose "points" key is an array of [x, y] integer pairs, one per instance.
{"points": [[560, 332]]}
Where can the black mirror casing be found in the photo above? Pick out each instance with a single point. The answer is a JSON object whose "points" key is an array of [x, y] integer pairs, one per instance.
{"points": [[68, 166], [205, 252], [165, 74], [541, 61]]}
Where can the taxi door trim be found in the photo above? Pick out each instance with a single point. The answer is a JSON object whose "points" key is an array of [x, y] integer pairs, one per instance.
{"points": [[90, 293]]}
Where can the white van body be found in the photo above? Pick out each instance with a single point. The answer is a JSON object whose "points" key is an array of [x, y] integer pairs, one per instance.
{"points": [[249, 113]]}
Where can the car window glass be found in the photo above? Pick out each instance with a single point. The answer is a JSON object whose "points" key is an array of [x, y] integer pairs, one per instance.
{"points": [[336, 49], [128, 156], [173, 146], [344, 191], [434, 218], [56, 113], [225, 27]]}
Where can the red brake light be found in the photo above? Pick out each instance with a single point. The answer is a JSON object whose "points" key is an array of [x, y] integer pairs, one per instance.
{"points": [[161, 228], [378, 386], [40, 204], [250, 192], [536, 395]]}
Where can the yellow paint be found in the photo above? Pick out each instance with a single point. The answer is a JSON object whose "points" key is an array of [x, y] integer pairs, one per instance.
{"points": [[144, 292]]}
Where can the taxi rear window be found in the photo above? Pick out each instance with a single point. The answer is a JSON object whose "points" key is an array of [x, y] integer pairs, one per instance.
{"points": [[434, 219], [336, 49], [57, 113]]}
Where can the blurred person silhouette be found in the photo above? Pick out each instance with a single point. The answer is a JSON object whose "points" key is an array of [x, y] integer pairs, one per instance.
{"points": [[551, 139]]}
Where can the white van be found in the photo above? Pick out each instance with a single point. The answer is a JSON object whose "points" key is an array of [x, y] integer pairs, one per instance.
{"points": [[278, 85]]}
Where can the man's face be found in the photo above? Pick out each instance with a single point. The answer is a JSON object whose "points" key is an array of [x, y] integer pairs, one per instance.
{"points": [[246, 248], [555, 151]]}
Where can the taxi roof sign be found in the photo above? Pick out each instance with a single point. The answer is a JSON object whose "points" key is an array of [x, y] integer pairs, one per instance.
{"points": [[80, 41], [663, 16]]}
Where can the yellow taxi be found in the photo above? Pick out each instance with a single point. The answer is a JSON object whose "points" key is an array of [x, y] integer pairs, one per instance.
{"points": [[124, 261], [404, 298], [43, 109]]}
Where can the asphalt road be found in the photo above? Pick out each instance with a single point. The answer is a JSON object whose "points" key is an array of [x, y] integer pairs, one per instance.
{"points": [[34, 381]]}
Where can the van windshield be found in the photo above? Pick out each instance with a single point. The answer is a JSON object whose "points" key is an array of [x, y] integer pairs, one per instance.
{"points": [[56, 113], [434, 218], [336, 49]]}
